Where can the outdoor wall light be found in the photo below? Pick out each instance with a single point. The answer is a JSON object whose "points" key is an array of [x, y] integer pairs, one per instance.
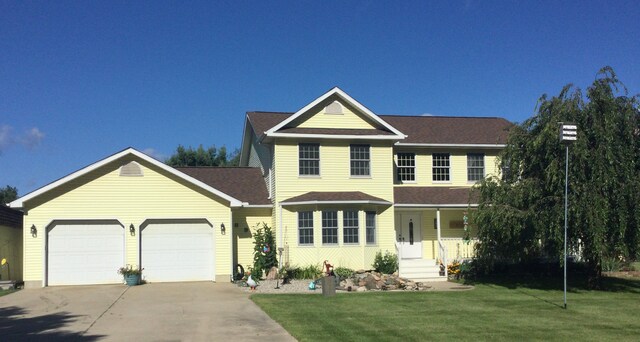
{"points": [[132, 229], [34, 231], [223, 229]]}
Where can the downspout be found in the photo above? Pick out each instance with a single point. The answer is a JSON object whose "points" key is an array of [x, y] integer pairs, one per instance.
{"points": [[231, 243], [281, 238]]}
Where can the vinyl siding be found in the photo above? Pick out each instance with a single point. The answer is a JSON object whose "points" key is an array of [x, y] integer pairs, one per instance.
{"points": [[317, 118], [103, 194], [355, 256], [11, 249], [260, 156], [335, 176], [458, 168], [246, 222]]}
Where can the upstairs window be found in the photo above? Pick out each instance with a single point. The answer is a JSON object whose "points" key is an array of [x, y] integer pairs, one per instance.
{"points": [[309, 159], [329, 227], [406, 169], [350, 226], [305, 227], [441, 167], [360, 160], [475, 167]]}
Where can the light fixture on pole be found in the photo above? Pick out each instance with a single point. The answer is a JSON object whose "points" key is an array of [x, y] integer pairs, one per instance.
{"points": [[568, 134]]}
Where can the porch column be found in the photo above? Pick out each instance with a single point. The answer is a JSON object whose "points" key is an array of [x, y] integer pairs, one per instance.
{"points": [[438, 223]]}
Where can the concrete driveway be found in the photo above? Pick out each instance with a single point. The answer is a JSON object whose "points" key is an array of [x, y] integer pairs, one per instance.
{"points": [[200, 311]]}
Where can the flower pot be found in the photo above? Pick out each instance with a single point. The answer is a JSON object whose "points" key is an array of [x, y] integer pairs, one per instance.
{"points": [[132, 280]]}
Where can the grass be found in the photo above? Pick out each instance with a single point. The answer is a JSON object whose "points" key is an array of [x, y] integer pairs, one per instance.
{"points": [[6, 292], [508, 310]]}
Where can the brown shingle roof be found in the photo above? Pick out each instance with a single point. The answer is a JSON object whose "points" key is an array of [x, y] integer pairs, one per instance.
{"points": [[419, 129], [10, 217], [243, 183], [432, 195], [335, 131], [450, 130], [337, 196]]}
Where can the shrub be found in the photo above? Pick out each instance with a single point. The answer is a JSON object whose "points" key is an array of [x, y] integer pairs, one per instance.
{"points": [[307, 272], [611, 264], [343, 272], [264, 251], [386, 264]]}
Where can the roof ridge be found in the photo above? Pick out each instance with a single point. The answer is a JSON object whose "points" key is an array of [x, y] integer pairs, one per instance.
{"points": [[442, 116]]}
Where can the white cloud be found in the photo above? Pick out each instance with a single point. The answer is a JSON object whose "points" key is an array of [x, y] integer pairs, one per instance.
{"points": [[426, 114], [30, 139], [152, 152], [5, 137]]}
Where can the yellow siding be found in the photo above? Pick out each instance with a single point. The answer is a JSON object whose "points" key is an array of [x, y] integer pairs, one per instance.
{"points": [[245, 223], [350, 118], [458, 168], [103, 194], [355, 256], [335, 176], [11, 249]]}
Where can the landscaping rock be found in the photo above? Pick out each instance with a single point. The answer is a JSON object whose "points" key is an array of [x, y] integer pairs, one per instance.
{"points": [[273, 273], [361, 289]]}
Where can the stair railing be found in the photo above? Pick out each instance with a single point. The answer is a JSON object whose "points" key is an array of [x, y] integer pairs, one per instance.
{"points": [[442, 253]]}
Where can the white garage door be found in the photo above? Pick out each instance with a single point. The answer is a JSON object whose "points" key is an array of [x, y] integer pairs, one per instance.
{"points": [[84, 253], [177, 251]]}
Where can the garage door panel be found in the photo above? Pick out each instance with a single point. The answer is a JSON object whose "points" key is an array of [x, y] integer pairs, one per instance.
{"points": [[85, 253], [177, 251]]}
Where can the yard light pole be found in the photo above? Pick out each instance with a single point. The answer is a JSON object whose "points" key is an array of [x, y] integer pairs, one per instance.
{"points": [[568, 134]]}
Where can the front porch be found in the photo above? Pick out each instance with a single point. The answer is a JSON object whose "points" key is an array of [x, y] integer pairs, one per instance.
{"points": [[427, 237]]}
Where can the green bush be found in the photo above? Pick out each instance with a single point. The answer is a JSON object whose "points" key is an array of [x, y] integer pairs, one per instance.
{"points": [[263, 261], [386, 264], [307, 272], [343, 272], [611, 264]]}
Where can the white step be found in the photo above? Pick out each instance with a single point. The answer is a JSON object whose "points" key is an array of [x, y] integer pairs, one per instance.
{"points": [[420, 270]]}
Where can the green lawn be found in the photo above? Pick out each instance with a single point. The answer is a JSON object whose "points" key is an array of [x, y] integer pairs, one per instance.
{"points": [[6, 292], [506, 310]]}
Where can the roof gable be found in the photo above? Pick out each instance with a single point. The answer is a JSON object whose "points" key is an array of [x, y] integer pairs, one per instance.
{"points": [[19, 203], [334, 110]]}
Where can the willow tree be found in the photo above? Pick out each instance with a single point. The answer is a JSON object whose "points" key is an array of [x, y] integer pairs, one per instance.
{"points": [[521, 215]]}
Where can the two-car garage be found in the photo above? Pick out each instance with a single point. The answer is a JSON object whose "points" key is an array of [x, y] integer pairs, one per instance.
{"points": [[82, 252]]}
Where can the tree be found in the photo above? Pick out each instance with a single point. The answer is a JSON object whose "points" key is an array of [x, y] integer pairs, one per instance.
{"points": [[8, 194], [264, 251], [201, 157], [521, 216]]}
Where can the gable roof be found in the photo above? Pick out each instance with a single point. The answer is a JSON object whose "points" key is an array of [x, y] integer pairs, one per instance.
{"points": [[336, 197], [420, 130], [275, 130], [244, 183], [19, 203], [450, 130], [10, 217], [433, 196]]}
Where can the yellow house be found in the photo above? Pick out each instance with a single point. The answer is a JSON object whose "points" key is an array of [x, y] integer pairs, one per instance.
{"points": [[10, 245], [346, 183], [334, 180]]}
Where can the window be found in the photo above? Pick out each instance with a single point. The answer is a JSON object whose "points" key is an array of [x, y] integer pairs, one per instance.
{"points": [[309, 159], [371, 227], [475, 167], [360, 160], [350, 226], [329, 227], [305, 227], [441, 167], [406, 169]]}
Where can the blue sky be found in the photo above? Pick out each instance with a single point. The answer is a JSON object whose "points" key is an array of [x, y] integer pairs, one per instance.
{"points": [[81, 80]]}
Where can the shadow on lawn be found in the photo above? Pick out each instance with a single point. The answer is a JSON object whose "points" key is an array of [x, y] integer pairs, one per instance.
{"points": [[575, 282], [15, 327]]}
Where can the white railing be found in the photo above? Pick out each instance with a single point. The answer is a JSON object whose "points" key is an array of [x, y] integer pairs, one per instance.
{"points": [[458, 248], [399, 254], [442, 255]]}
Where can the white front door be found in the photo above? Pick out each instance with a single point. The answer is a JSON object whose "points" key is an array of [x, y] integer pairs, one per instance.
{"points": [[410, 237]]}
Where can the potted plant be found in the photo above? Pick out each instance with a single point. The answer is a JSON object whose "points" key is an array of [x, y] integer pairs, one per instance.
{"points": [[131, 275]]}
